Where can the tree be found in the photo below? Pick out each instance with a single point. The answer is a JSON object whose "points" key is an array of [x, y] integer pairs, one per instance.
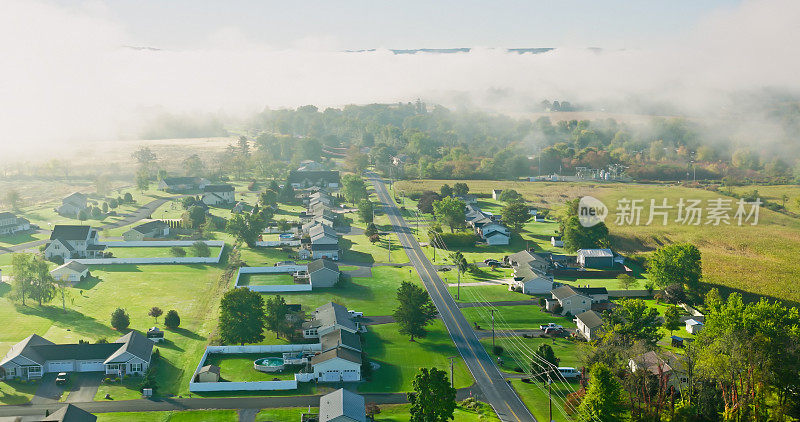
{"points": [[23, 273], [425, 203], [510, 195], [604, 400], [366, 210], [13, 199], [446, 190], [354, 188], [42, 288], [96, 213], [634, 321], [287, 193], [194, 217], [625, 281], [672, 319], [415, 310], [676, 263], [544, 363], [155, 312], [105, 207], [268, 198], [193, 165], [246, 228], [241, 319], [450, 211], [244, 146], [371, 230], [201, 249], [516, 215], [575, 236], [460, 189], [372, 409], [177, 251], [128, 197], [433, 399], [144, 156], [172, 319], [120, 319], [276, 312], [142, 179], [83, 214]]}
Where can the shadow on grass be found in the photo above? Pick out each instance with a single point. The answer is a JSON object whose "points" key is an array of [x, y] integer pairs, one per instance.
{"points": [[87, 283], [118, 268], [69, 320], [350, 255], [186, 333], [18, 239], [169, 344], [18, 387]]}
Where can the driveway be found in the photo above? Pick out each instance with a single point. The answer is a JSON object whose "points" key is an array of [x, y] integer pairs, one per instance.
{"points": [[84, 387], [48, 392]]}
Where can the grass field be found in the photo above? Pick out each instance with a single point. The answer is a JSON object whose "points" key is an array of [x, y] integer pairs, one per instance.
{"points": [[389, 413], [265, 279], [184, 416], [239, 367], [156, 252], [755, 259], [518, 317]]}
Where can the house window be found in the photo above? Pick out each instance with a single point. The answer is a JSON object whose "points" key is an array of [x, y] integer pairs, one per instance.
{"points": [[34, 371], [113, 366], [136, 367]]}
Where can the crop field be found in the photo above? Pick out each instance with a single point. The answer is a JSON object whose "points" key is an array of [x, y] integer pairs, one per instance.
{"points": [[756, 259]]}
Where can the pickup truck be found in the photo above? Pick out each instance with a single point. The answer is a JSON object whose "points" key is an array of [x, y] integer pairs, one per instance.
{"points": [[550, 326]]}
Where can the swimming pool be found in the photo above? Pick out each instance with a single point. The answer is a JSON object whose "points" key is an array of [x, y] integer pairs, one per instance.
{"points": [[268, 364], [286, 236]]}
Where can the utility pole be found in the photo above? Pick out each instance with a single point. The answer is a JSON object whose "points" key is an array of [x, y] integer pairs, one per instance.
{"points": [[549, 397], [451, 370], [390, 248], [492, 328], [458, 289]]}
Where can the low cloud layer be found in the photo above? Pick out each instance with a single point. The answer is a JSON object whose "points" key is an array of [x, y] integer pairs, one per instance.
{"points": [[66, 75]]}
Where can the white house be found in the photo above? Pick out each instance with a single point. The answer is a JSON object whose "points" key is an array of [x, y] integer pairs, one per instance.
{"points": [[72, 242], [342, 406], [337, 365], [324, 251], [10, 224], [589, 324], [530, 273], [35, 356], [534, 285], [215, 195], [72, 271], [72, 205], [694, 326], [576, 300], [149, 230], [495, 234], [327, 318]]}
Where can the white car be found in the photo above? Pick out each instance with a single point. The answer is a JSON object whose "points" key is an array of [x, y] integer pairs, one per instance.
{"points": [[551, 326], [569, 372], [356, 314]]}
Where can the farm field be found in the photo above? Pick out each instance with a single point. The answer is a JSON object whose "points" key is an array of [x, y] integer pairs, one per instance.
{"points": [[755, 259]]}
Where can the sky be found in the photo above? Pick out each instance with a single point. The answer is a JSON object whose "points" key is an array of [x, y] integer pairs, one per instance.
{"points": [[67, 73], [366, 24]]}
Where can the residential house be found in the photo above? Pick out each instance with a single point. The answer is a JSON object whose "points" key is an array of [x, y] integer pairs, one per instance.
{"points": [[216, 195], [208, 373], [72, 271], [321, 197], [531, 273], [35, 356], [575, 300], [496, 194], [556, 242], [337, 365], [323, 273], [321, 178], [595, 258], [467, 199], [324, 251], [668, 365], [495, 234], [310, 165], [149, 230], [72, 242], [327, 318], [72, 205], [10, 224], [69, 413], [323, 234], [341, 338], [182, 184], [342, 406], [694, 326], [589, 323]]}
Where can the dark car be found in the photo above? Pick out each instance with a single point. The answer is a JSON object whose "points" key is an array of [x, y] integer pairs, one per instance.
{"points": [[62, 378]]}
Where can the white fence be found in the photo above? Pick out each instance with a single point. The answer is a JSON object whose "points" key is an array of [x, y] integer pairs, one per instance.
{"points": [[163, 260], [196, 387], [277, 243], [275, 288]]}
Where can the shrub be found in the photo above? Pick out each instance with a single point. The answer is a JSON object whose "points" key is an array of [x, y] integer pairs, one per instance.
{"points": [[172, 319], [120, 319], [542, 302], [497, 350], [201, 249], [177, 251], [459, 239]]}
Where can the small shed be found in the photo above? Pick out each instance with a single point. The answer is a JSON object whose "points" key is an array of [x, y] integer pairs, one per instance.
{"points": [[693, 326], [208, 373], [155, 335], [556, 242], [677, 341]]}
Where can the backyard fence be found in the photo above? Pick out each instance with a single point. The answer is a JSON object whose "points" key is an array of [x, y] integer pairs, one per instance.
{"points": [[162, 260], [628, 293], [276, 288], [277, 243]]}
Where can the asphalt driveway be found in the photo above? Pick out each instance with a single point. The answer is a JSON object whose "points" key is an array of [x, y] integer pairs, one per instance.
{"points": [[84, 386], [48, 392]]}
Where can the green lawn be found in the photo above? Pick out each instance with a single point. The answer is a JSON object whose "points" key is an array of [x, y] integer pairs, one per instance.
{"points": [[389, 413], [534, 395], [400, 359], [358, 248], [156, 252], [265, 279], [488, 293], [239, 367], [184, 416], [20, 238], [518, 317]]}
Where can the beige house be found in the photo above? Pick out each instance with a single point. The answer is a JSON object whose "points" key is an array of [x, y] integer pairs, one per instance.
{"points": [[149, 230], [72, 271], [589, 323], [574, 300], [72, 205]]}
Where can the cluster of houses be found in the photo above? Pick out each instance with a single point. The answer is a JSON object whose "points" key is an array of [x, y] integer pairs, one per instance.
{"points": [[11, 224], [35, 356], [318, 223], [337, 331], [302, 178], [487, 226]]}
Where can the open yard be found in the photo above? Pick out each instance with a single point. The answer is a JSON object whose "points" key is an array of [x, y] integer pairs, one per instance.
{"points": [[265, 279], [517, 317], [184, 416], [239, 367], [157, 252]]}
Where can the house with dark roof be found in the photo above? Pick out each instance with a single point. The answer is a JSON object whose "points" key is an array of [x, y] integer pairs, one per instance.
{"points": [[69, 413], [35, 356], [589, 323], [329, 317], [531, 273], [666, 364], [595, 258], [182, 184], [323, 273], [72, 271], [574, 300], [337, 365], [72, 205], [149, 230], [341, 338], [73, 242], [495, 234], [320, 178], [10, 224], [324, 251], [216, 195], [342, 406]]}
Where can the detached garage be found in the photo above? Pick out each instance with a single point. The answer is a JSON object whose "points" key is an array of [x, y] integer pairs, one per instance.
{"points": [[337, 365]]}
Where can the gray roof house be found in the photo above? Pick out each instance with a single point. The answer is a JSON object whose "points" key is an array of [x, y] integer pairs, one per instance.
{"points": [[341, 338], [323, 273], [337, 365], [72, 205], [214, 195], [72, 271], [595, 258], [329, 317], [151, 229], [342, 406], [72, 242], [35, 356], [589, 324], [531, 273], [320, 178], [69, 413], [323, 235], [10, 224]]}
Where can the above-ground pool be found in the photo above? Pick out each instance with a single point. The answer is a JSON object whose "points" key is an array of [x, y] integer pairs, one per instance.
{"points": [[268, 364], [286, 236]]}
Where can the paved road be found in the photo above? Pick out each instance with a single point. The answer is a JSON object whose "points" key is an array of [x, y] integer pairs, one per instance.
{"points": [[139, 214], [497, 392]]}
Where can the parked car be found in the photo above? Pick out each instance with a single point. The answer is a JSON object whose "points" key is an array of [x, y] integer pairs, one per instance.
{"points": [[444, 269], [355, 314], [551, 325], [569, 372], [490, 260], [62, 378], [553, 330]]}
